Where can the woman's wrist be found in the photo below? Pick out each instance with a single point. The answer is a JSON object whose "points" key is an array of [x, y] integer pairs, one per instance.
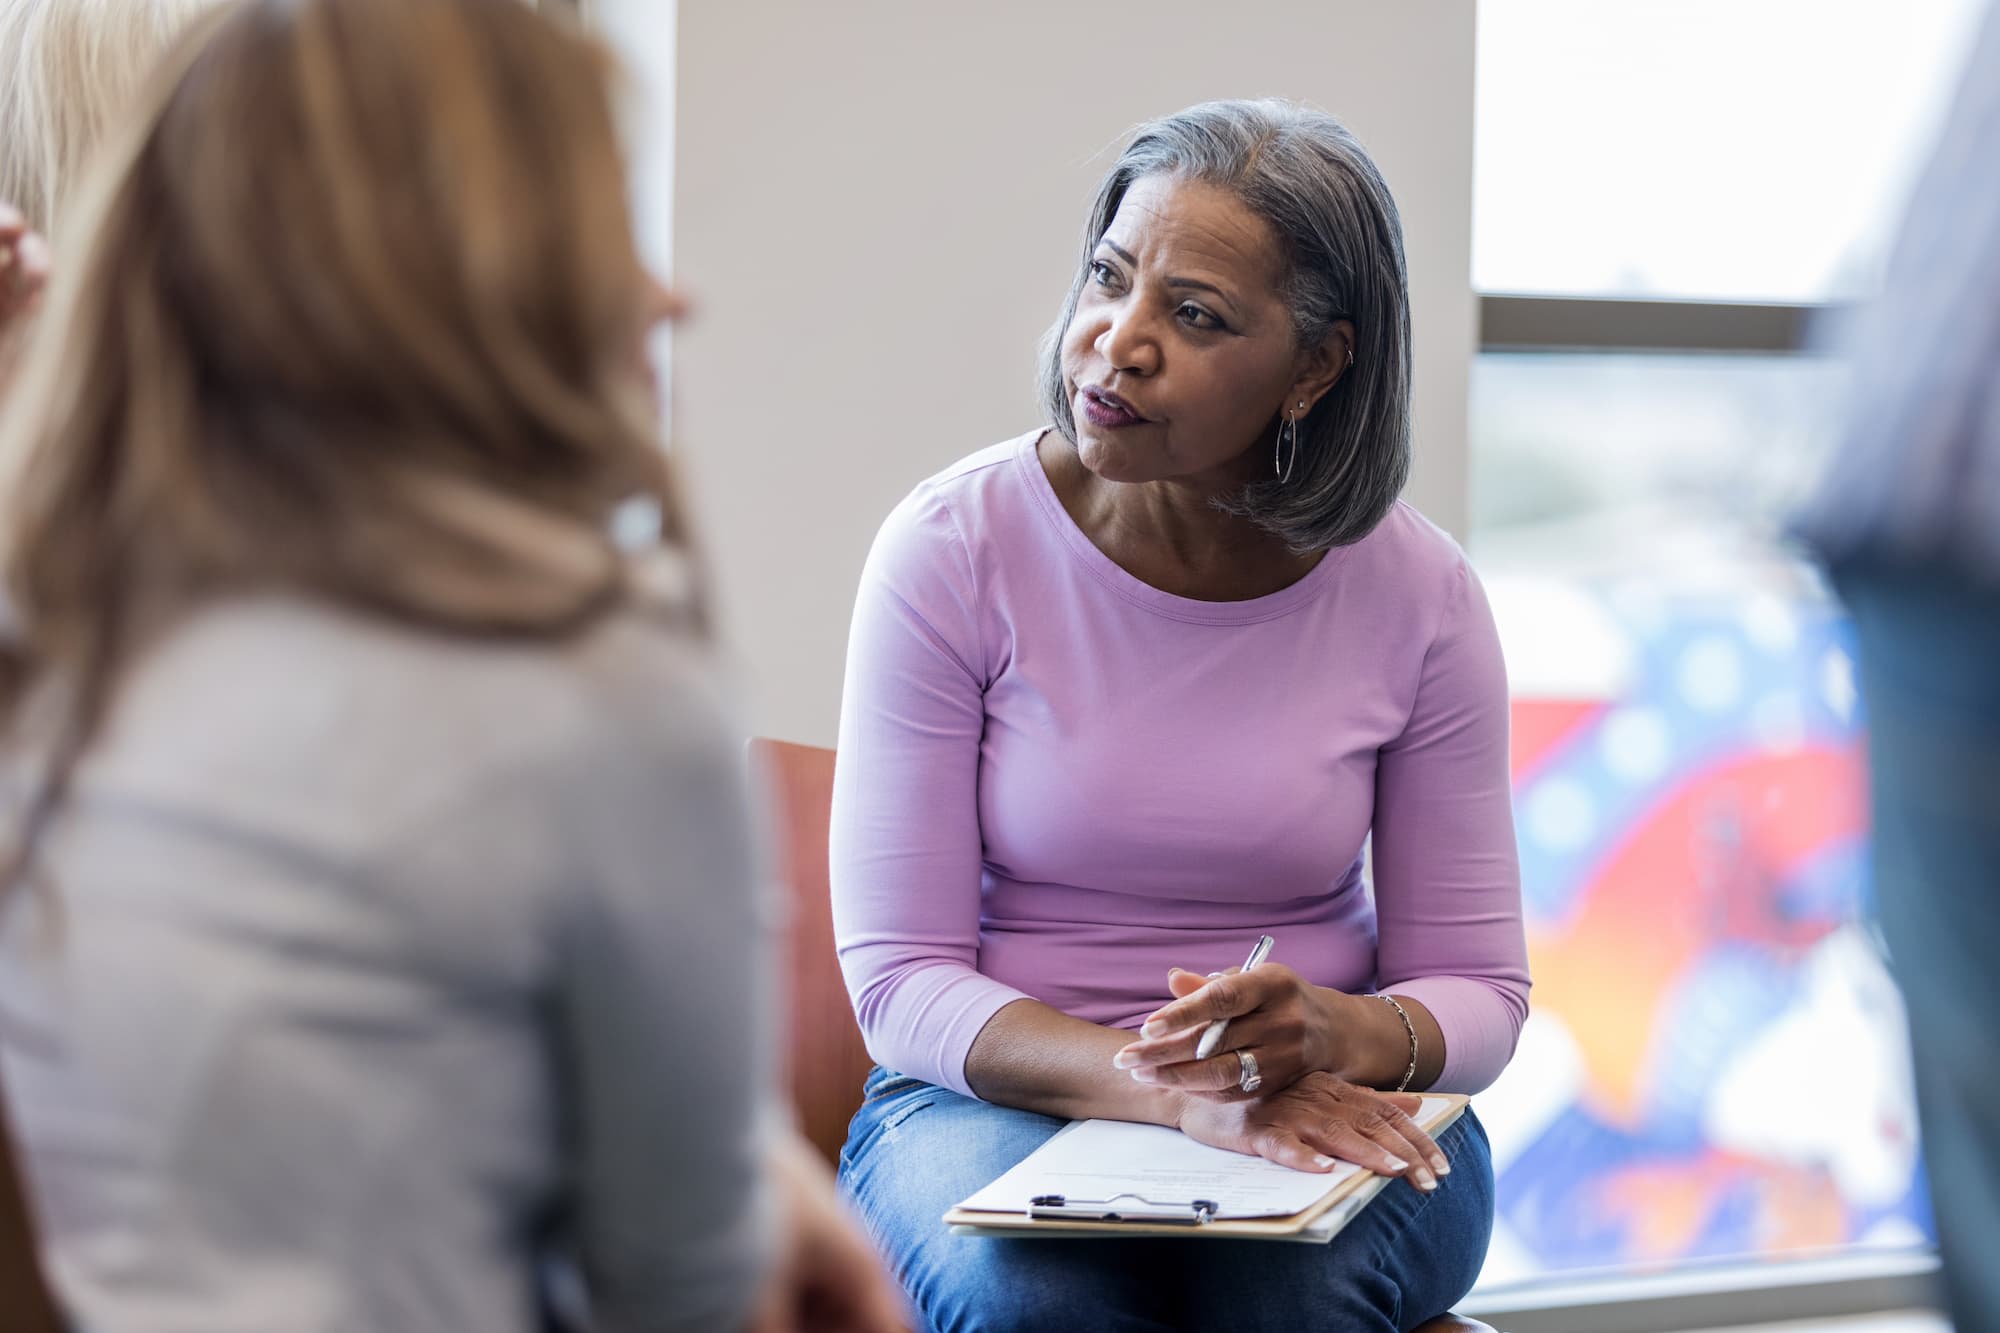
{"points": [[1035, 1057], [1369, 1044], [1149, 1104]]}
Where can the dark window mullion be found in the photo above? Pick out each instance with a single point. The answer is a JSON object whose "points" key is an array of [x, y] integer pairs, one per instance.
{"points": [[1584, 324]]}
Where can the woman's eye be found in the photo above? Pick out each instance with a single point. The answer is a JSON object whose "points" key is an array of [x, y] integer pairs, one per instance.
{"points": [[1102, 273], [1197, 318]]}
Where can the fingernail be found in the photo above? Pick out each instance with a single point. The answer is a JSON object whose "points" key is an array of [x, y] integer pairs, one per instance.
{"points": [[1425, 1180], [1154, 1028], [1143, 1075], [1398, 1164], [1213, 976], [1443, 1167], [1124, 1060], [1322, 1162]]}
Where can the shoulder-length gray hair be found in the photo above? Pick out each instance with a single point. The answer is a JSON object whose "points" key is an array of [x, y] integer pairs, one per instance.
{"points": [[1309, 179]]}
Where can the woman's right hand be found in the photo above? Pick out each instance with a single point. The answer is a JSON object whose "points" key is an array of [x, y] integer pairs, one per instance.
{"points": [[828, 1279], [1317, 1120]]}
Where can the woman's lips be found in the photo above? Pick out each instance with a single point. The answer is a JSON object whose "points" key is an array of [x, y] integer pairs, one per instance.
{"points": [[1107, 410]]}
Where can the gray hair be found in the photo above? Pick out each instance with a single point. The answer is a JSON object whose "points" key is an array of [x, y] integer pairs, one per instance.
{"points": [[1309, 179]]}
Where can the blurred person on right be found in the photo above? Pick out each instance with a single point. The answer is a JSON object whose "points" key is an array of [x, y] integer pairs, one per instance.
{"points": [[380, 945], [1907, 519]]}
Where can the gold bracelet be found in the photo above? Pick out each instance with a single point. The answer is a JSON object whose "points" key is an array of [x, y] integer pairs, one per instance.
{"points": [[1410, 1028]]}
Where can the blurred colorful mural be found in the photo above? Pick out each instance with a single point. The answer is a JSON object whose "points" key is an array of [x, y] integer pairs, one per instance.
{"points": [[1715, 1064]]}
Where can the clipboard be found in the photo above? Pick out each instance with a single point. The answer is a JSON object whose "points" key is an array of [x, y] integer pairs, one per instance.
{"points": [[1136, 1213]]}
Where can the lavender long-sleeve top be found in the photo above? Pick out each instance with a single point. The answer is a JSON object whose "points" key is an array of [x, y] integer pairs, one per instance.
{"points": [[1056, 781]]}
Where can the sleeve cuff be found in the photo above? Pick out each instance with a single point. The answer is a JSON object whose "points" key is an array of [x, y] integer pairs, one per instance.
{"points": [[930, 1025], [1480, 1028]]}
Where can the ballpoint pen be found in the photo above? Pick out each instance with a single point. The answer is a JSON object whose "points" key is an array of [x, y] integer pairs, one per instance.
{"points": [[1212, 1037]]}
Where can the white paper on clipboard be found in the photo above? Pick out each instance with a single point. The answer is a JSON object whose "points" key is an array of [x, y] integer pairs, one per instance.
{"points": [[1103, 1159]]}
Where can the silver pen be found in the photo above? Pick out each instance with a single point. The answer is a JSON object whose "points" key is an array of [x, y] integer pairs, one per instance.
{"points": [[1212, 1036]]}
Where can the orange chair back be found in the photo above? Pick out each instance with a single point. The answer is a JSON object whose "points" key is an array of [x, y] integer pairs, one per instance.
{"points": [[25, 1303], [824, 1056]]}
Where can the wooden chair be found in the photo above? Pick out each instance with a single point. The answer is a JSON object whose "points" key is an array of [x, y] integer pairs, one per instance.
{"points": [[25, 1303], [825, 1058]]}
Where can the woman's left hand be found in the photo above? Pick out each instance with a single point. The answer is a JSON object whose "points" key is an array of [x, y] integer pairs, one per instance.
{"points": [[24, 267], [24, 271], [1291, 1026]]}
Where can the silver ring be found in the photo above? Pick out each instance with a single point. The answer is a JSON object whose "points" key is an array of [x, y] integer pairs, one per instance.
{"points": [[1249, 1080]]}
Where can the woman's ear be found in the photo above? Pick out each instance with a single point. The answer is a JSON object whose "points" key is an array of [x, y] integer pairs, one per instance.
{"points": [[1321, 366]]}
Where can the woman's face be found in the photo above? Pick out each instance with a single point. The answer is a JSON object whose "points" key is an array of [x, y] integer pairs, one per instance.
{"points": [[1181, 352]]}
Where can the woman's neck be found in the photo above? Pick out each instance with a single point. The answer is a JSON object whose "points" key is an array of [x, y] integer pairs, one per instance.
{"points": [[1170, 535]]}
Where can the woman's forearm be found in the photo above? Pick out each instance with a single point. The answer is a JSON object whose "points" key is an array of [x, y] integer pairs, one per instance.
{"points": [[1040, 1059]]}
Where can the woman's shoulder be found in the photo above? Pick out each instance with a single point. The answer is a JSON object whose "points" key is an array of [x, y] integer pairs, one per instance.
{"points": [[249, 686], [1412, 558], [974, 493], [983, 469], [982, 502]]}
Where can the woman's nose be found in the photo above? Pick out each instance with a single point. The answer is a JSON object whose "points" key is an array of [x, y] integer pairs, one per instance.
{"points": [[1127, 343]]}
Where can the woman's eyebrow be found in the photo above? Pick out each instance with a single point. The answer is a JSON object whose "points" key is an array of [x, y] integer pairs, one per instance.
{"points": [[1198, 285], [1195, 284]]}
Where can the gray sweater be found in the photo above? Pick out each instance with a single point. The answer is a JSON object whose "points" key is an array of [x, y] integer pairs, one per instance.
{"points": [[388, 973]]}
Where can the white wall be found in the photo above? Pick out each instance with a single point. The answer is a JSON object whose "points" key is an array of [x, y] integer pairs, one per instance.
{"points": [[644, 32], [877, 203]]}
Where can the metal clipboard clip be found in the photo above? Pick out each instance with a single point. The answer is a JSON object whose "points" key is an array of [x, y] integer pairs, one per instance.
{"points": [[1122, 1208]]}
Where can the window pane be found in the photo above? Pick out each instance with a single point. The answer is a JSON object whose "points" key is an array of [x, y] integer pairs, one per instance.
{"points": [[1598, 461], [1715, 1065], [1725, 149]]}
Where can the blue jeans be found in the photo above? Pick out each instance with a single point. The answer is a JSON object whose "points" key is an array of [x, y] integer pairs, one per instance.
{"points": [[915, 1149], [1930, 672]]}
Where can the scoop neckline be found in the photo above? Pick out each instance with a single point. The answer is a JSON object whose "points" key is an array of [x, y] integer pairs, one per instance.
{"points": [[1136, 590]]}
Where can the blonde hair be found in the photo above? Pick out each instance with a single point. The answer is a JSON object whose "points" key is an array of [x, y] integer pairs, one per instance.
{"points": [[67, 68], [355, 312]]}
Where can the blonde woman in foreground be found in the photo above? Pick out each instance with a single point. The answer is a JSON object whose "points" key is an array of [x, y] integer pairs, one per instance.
{"points": [[379, 923], [67, 68]]}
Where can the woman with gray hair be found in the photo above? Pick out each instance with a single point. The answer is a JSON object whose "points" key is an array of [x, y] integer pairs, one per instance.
{"points": [[1132, 689]]}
